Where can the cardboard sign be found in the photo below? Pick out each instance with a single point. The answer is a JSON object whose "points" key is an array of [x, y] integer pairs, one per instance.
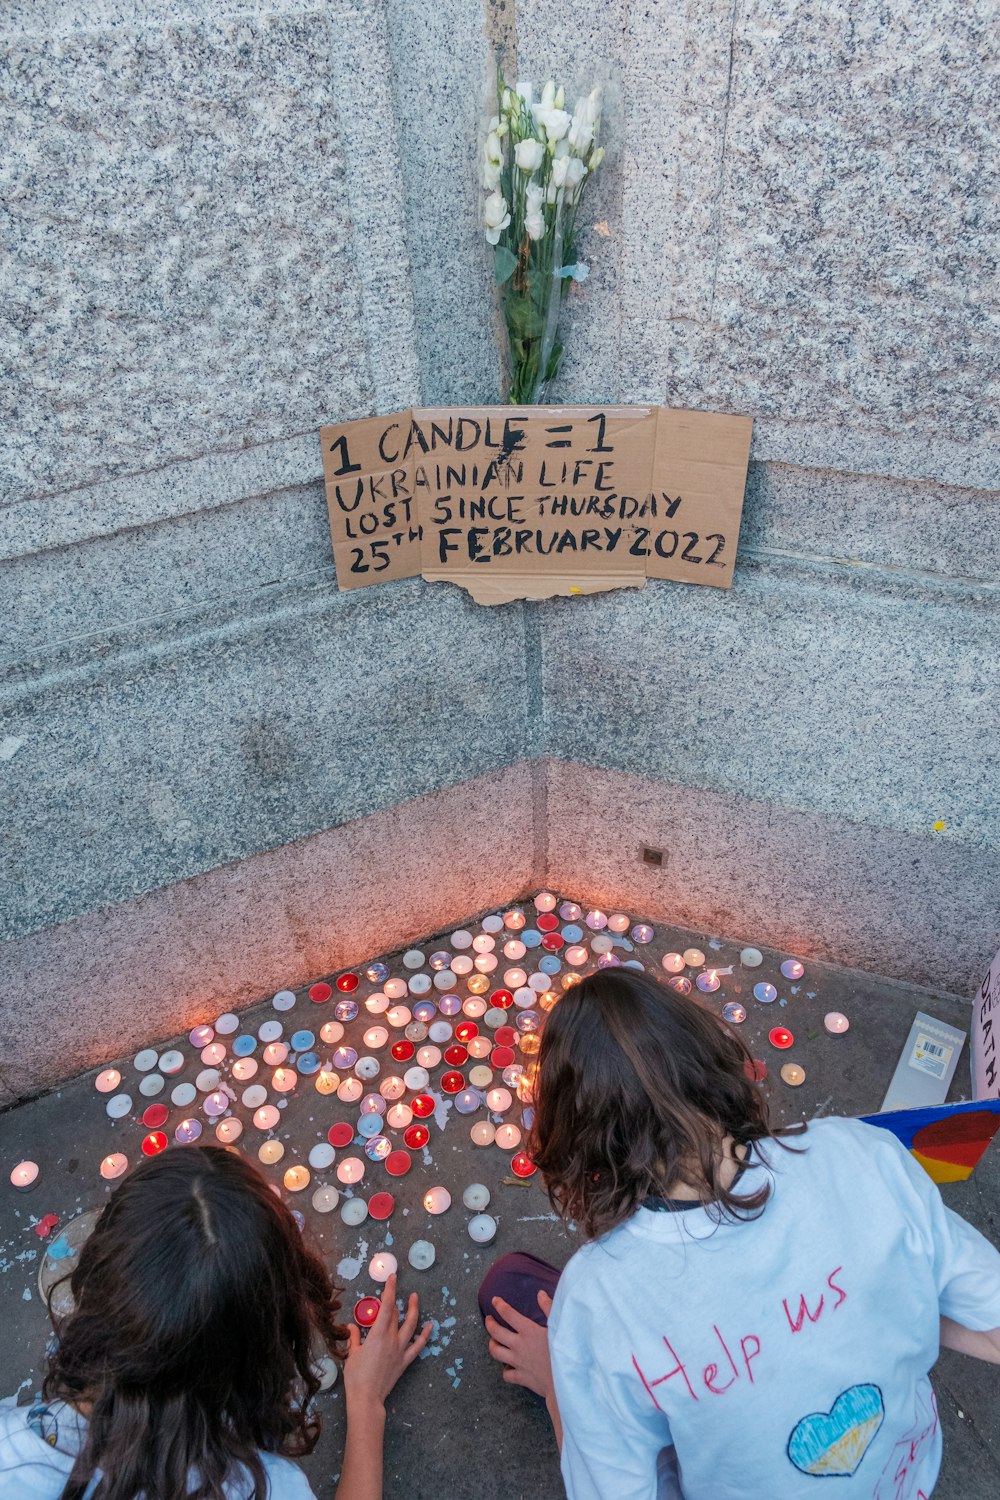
{"points": [[527, 502], [985, 1038]]}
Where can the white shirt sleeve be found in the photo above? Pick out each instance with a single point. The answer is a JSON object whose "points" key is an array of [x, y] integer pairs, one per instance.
{"points": [[611, 1449]]}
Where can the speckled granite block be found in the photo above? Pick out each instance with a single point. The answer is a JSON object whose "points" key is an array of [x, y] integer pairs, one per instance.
{"points": [[833, 690], [921, 909], [182, 274], [80, 993], [158, 750]]}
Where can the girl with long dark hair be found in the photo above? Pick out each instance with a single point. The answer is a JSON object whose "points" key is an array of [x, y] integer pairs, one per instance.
{"points": [[186, 1368], [753, 1309]]}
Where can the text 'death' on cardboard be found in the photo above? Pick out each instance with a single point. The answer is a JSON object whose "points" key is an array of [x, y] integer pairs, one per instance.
{"points": [[525, 502]]}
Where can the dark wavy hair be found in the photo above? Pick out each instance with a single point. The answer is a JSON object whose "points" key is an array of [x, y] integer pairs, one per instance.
{"points": [[197, 1313], [636, 1089]]}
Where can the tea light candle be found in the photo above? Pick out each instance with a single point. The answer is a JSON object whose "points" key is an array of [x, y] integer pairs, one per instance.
{"points": [[283, 1000], [151, 1085], [183, 1095], [350, 1090], [421, 1255], [498, 1100], [507, 1137], [476, 1196], [375, 1037], [25, 1176], [403, 1050], [366, 1311], [461, 965], [445, 980], [351, 1169], [395, 988], [836, 1023], [267, 1117], [270, 1152], [780, 1037], [354, 1212], [479, 1047], [482, 1229], [208, 1079], [734, 1013], [437, 1200], [146, 1059], [201, 1036], [416, 1078], [456, 1056], [486, 963], [187, 1131], [792, 968], [751, 958], [477, 984], [244, 1068], [413, 959], [399, 1116], [514, 949], [154, 1143], [392, 1088], [227, 1024], [274, 1054], [480, 1076], [441, 1032], [545, 901], [340, 1134], [483, 1133], [367, 1068], [375, 1005], [325, 1199], [347, 983], [793, 1075], [618, 922], [327, 1082], [155, 1116], [708, 982], [229, 1130], [320, 993], [332, 1032], [284, 1080], [399, 1016], [398, 1163], [382, 1266], [602, 944], [420, 984], [765, 993], [451, 1083], [244, 1044], [422, 1106], [296, 1179], [467, 1102], [576, 955], [322, 1156], [213, 1054], [596, 920], [216, 1104], [548, 998], [642, 933], [114, 1166], [672, 962], [108, 1081], [693, 958], [119, 1105], [680, 983], [254, 1096], [522, 1166], [381, 1205], [416, 1136], [514, 979]]}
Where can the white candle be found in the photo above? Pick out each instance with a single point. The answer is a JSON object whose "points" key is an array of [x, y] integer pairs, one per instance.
{"points": [[351, 1169], [267, 1117], [354, 1212], [119, 1106], [437, 1200], [114, 1166], [24, 1176], [483, 1133], [751, 958], [476, 1196], [482, 1229], [270, 1152], [183, 1095], [619, 922], [484, 943], [480, 1076], [322, 1156], [396, 989], [270, 1031], [419, 984], [694, 958], [382, 1266], [545, 901], [602, 943], [479, 1047], [274, 1054], [254, 1096], [576, 955], [213, 1054], [325, 1199], [151, 1085], [171, 1062], [461, 938], [367, 1068], [441, 1031], [108, 1081], [498, 1100], [244, 1068], [514, 949], [208, 1079], [422, 1255], [145, 1060], [473, 1007], [507, 1137], [836, 1023], [228, 1023], [229, 1130]]}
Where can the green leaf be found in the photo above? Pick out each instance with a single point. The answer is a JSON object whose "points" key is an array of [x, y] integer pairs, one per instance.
{"points": [[522, 318], [504, 264]]}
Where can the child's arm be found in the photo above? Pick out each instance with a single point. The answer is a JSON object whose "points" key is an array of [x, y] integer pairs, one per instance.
{"points": [[523, 1348], [371, 1371], [968, 1341]]}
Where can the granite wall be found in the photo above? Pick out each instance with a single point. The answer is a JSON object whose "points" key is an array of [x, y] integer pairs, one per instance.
{"points": [[228, 222]]}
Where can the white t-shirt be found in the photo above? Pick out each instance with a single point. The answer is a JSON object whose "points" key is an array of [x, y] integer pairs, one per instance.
{"points": [[774, 1352], [38, 1446]]}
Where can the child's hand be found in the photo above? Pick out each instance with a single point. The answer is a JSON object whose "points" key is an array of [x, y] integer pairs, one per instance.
{"points": [[374, 1366], [523, 1347]]}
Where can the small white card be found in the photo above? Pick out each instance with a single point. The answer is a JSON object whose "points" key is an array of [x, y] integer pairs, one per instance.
{"points": [[924, 1072]]}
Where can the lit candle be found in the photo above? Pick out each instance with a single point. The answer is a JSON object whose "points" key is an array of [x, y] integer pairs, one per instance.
{"points": [[618, 922], [392, 1088], [485, 964], [780, 1037], [229, 1130], [672, 962], [395, 988], [545, 901], [213, 1054], [382, 1266], [462, 965], [201, 1036], [422, 1106], [708, 982], [479, 1047], [483, 1133], [467, 1102], [456, 1056], [595, 920], [734, 1013], [347, 983], [836, 1023], [274, 1054], [345, 1010], [577, 955], [751, 958], [522, 1166], [499, 1099], [154, 1143], [375, 1005], [327, 1082], [345, 1057], [548, 998], [321, 1156], [514, 949], [693, 958], [765, 993], [351, 1169], [477, 984], [375, 1037], [482, 1229], [24, 1176], [119, 1105], [215, 1104], [792, 968], [793, 1075], [325, 1199], [476, 1196], [451, 1083], [332, 1032], [108, 1081], [350, 1090], [416, 1136], [437, 1200], [114, 1166], [366, 1311], [296, 1178], [244, 1068], [270, 1152], [267, 1117], [403, 1050], [399, 1016], [284, 1080], [187, 1131], [642, 933], [399, 1116], [421, 1255], [507, 1137], [514, 979]]}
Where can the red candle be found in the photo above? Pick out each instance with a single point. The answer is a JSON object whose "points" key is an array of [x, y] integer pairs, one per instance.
{"points": [[346, 983], [318, 993], [397, 1164], [553, 941], [502, 999], [456, 1056], [381, 1205], [422, 1106], [155, 1116], [466, 1030], [366, 1311], [452, 1083], [780, 1037], [547, 922], [154, 1143], [502, 1057], [505, 1036], [402, 1050], [522, 1166], [416, 1136], [340, 1134]]}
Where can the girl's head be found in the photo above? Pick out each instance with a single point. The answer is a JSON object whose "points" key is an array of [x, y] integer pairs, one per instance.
{"points": [[637, 1088], [196, 1311]]}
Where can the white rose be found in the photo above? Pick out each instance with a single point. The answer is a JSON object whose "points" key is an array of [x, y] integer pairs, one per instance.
{"points": [[555, 122], [529, 154], [534, 219], [496, 217]]}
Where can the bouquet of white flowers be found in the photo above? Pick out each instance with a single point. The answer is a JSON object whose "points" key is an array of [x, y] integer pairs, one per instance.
{"points": [[537, 160]]}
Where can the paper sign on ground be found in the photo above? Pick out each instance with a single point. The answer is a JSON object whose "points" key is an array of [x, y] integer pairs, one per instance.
{"points": [[985, 1040], [527, 502]]}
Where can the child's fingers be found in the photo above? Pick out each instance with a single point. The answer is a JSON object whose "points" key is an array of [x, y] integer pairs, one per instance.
{"points": [[409, 1324], [387, 1306], [418, 1344], [511, 1315], [501, 1335], [545, 1302], [502, 1353], [353, 1339]]}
